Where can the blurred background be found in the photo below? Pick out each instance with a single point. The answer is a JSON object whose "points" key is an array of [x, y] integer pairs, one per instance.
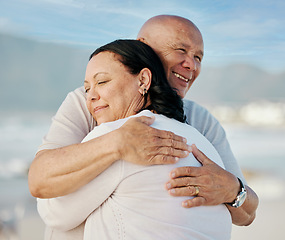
{"points": [[44, 49]]}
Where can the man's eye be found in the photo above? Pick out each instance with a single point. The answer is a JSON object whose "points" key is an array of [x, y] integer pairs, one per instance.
{"points": [[181, 49], [86, 90], [199, 58]]}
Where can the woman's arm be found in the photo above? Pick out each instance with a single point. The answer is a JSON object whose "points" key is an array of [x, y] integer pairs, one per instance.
{"points": [[61, 171], [58, 172], [67, 212]]}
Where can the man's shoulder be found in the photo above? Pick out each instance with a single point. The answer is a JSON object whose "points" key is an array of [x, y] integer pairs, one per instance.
{"points": [[78, 92], [191, 107], [198, 116], [75, 99]]}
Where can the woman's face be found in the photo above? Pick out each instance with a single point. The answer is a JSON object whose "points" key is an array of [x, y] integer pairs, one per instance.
{"points": [[112, 92]]}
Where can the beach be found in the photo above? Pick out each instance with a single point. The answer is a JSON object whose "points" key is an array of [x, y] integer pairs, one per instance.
{"points": [[268, 224], [269, 221], [19, 219]]}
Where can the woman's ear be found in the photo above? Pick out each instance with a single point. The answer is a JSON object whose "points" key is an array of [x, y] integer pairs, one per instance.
{"points": [[145, 80]]}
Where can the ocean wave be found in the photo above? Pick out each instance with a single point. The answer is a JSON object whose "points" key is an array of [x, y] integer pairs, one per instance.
{"points": [[267, 186], [16, 167]]}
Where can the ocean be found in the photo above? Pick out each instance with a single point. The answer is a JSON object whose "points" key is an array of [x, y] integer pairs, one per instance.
{"points": [[21, 135], [258, 148]]}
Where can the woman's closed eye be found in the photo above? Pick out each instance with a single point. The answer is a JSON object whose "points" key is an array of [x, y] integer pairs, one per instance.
{"points": [[101, 82]]}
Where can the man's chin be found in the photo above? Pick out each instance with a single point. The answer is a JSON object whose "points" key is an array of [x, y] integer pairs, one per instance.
{"points": [[181, 92]]}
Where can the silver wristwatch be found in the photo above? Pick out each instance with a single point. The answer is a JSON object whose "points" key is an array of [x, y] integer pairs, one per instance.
{"points": [[240, 197]]}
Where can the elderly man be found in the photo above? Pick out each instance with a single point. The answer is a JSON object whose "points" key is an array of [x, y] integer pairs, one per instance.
{"points": [[63, 164]]}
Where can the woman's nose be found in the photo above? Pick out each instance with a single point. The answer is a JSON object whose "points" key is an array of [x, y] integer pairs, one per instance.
{"points": [[92, 95]]}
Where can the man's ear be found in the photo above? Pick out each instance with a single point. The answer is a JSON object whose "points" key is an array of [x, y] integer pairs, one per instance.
{"points": [[142, 40], [145, 80]]}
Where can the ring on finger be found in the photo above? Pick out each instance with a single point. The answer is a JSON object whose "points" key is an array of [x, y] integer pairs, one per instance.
{"points": [[197, 190]]}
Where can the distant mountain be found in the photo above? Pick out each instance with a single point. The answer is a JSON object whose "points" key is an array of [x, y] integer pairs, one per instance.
{"points": [[239, 83], [37, 76]]}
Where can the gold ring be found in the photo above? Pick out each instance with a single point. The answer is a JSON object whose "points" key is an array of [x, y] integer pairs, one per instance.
{"points": [[196, 190]]}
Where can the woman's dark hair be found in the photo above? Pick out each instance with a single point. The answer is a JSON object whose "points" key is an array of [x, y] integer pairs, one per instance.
{"points": [[136, 55]]}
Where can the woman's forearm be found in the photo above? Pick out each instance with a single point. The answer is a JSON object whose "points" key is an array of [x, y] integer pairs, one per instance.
{"points": [[67, 212], [61, 171]]}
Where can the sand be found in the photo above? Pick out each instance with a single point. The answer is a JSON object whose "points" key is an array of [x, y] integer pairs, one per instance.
{"points": [[269, 223]]}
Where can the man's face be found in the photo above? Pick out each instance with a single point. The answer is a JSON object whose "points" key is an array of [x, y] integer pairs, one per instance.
{"points": [[180, 49]]}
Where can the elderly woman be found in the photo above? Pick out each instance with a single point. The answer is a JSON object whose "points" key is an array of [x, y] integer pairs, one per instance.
{"points": [[126, 79]]}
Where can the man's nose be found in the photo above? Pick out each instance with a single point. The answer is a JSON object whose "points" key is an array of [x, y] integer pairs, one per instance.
{"points": [[189, 63]]}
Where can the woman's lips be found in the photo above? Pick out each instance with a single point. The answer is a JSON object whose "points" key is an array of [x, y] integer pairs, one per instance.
{"points": [[99, 108]]}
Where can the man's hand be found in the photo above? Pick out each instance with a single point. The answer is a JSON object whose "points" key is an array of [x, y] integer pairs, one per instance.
{"points": [[215, 185], [142, 144]]}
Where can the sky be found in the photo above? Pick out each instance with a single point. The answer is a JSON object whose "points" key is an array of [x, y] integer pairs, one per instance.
{"points": [[241, 31]]}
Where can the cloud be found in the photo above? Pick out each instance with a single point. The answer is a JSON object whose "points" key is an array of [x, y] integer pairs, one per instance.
{"points": [[9, 26], [63, 3], [244, 28], [4, 23]]}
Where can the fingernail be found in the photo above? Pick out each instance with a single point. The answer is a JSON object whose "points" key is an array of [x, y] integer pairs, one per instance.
{"points": [[190, 148], [172, 190], [173, 174], [168, 185], [186, 153], [176, 159], [184, 204], [185, 140]]}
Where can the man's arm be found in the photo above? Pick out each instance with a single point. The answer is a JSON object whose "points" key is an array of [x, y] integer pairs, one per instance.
{"points": [[220, 186], [59, 169], [216, 186]]}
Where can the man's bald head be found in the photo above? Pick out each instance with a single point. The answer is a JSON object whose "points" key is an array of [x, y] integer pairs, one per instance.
{"points": [[160, 22]]}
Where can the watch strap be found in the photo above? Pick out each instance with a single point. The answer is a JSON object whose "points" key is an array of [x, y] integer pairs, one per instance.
{"points": [[239, 200]]}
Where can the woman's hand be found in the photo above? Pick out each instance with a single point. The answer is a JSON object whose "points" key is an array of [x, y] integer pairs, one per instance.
{"points": [[142, 144]]}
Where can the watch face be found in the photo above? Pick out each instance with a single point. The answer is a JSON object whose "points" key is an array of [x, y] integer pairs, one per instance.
{"points": [[240, 199]]}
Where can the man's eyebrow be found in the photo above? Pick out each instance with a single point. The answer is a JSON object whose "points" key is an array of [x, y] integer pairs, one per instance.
{"points": [[201, 53]]}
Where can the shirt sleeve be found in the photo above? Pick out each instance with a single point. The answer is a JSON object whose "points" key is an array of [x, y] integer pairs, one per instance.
{"points": [[67, 212], [71, 123], [201, 119]]}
